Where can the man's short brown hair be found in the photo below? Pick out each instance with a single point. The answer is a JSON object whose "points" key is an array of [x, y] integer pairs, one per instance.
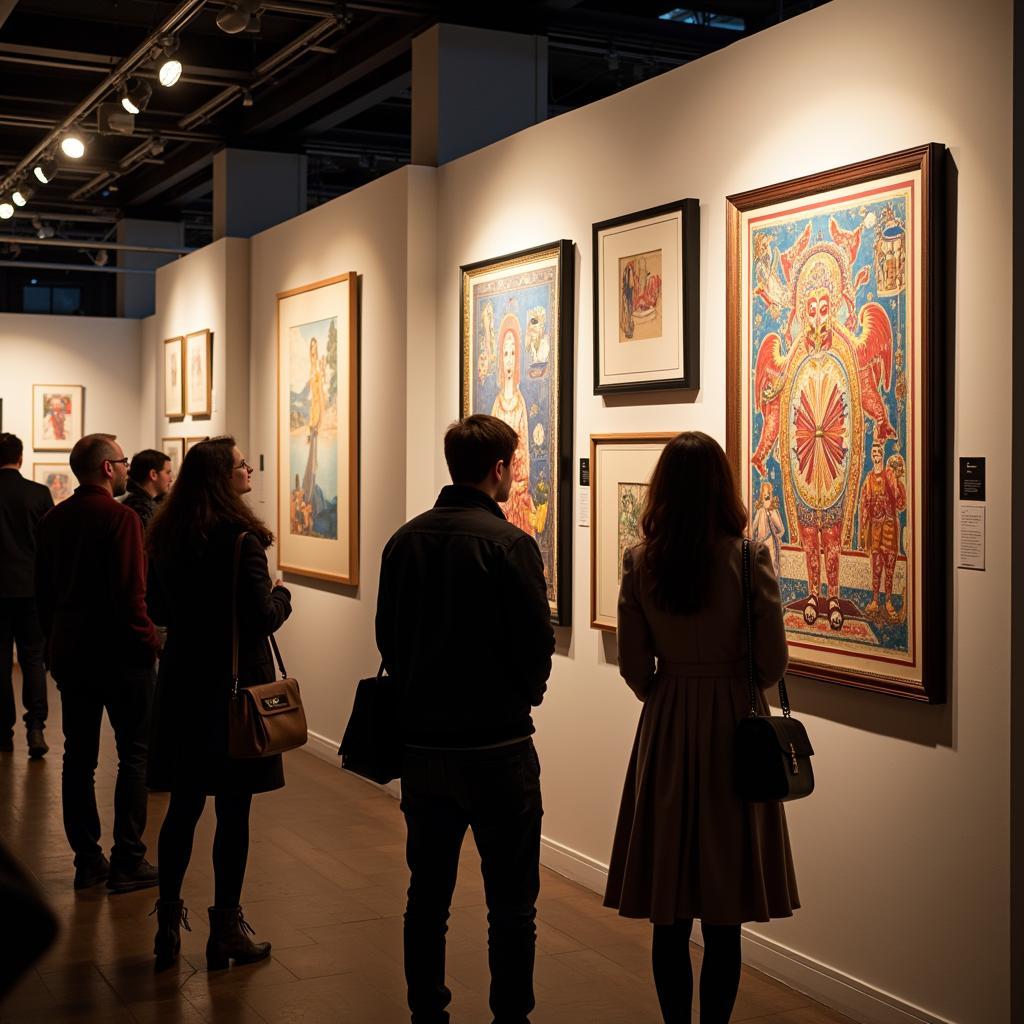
{"points": [[11, 449], [89, 454], [474, 444]]}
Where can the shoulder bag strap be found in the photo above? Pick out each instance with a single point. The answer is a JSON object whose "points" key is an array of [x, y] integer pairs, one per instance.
{"points": [[748, 602], [234, 613]]}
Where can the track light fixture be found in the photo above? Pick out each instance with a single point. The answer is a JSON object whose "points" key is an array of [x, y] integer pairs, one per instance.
{"points": [[170, 68], [45, 169], [135, 94], [246, 98], [73, 145], [239, 16], [6, 208], [21, 195], [41, 229]]}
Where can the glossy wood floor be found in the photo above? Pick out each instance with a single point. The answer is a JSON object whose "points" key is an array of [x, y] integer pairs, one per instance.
{"points": [[326, 885]]}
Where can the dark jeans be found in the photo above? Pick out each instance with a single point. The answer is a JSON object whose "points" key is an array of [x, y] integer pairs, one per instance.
{"points": [[496, 793], [127, 696], [19, 624]]}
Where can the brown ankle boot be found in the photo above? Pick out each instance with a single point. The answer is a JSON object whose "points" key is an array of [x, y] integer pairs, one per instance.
{"points": [[229, 940], [170, 916]]}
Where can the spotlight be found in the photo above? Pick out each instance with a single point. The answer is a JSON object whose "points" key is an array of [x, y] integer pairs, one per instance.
{"points": [[246, 98], [6, 209], [42, 230], [45, 170], [135, 95], [21, 195], [101, 258], [237, 16], [170, 69], [73, 145]]}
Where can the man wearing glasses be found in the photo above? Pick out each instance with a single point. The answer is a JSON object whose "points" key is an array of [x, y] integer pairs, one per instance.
{"points": [[101, 647]]}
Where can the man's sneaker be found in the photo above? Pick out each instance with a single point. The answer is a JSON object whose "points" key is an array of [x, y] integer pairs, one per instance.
{"points": [[6, 744], [142, 876], [92, 873], [36, 744]]}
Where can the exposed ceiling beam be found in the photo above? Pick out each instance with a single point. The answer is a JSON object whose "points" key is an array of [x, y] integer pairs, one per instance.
{"points": [[367, 101], [62, 243], [40, 265], [6, 6], [177, 169]]}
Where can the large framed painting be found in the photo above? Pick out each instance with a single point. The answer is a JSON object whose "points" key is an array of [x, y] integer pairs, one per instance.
{"points": [[56, 477], [198, 378], [56, 416], [174, 380], [517, 348], [647, 300], [620, 471], [318, 429], [836, 417], [174, 449]]}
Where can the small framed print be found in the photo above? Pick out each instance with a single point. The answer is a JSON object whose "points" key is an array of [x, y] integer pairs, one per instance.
{"points": [[56, 416], [56, 477], [620, 471], [174, 449], [198, 378], [191, 442], [174, 381], [647, 300]]}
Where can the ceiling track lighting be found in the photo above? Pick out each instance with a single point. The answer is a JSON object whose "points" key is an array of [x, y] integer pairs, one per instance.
{"points": [[21, 195], [170, 68], [6, 208], [73, 145], [45, 169], [135, 94], [239, 16]]}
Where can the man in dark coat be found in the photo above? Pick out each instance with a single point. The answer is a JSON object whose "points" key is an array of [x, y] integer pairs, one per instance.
{"points": [[90, 586], [149, 480], [464, 627], [23, 504]]}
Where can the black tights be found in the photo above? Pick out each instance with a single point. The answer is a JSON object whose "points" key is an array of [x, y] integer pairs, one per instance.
{"points": [[719, 973], [230, 844]]}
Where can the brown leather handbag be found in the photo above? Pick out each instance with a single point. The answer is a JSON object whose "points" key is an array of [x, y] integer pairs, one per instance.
{"points": [[267, 718]]}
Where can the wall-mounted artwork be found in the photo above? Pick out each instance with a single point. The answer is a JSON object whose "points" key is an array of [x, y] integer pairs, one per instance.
{"points": [[57, 477], [191, 442], [318, 430], [516, 364], [198, 373], [647, 300], [620, 471], [174, 380], [174, 449], [837, 376], [56, 416]]}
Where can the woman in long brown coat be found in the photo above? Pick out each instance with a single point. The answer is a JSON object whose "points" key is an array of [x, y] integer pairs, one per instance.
{"points": [[685, 845]]}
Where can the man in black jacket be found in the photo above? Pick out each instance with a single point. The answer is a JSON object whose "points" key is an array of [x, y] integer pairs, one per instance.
{"points": [[149, 480], [23, 504], [464, 627]]}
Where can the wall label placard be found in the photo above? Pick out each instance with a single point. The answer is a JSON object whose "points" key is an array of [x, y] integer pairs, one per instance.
{"points": [[971, 537], [972, 478]]}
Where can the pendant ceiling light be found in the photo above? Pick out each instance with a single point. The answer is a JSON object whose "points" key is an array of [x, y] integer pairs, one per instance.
{"points": [[45, 169], [73, 145], [135, 95]]}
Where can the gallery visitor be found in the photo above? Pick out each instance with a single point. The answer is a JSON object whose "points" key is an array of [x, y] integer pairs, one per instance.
{"points": [[685, 845], [101, 644], [149, 480], [464, 627], [193, 581]]}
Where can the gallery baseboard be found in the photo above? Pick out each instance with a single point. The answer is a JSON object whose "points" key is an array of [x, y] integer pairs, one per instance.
{"points": [[572, 864], [327, 750]]}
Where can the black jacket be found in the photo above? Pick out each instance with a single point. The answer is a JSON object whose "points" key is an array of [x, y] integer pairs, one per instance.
{"points": [[463, 623], [23, 504], [139, 502]]}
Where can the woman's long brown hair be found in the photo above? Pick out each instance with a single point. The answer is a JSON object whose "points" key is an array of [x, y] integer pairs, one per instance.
{"points": [[692, 502], [202, 497]]}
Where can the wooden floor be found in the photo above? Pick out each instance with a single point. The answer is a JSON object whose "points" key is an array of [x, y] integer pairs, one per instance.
{"points": [[326, 885]]}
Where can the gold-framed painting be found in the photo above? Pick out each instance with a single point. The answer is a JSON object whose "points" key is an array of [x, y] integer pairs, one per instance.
{"points": [[56, 477], [174, 449], [189, 443], [174, 379], [516, 363], [318, 429], [199, 373], [837, 379], [57, 416], [620, 471]]}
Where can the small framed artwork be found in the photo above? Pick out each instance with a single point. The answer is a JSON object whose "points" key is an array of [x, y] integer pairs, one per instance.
{"points": [[56, 416], [57, 477], [647, 300], [174, 382], [516, 364], [318, 430], [620, 471], [174, 449], [191, 442], [198, 378]]}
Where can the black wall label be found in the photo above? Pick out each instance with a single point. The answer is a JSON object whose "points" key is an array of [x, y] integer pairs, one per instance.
{"points": [[584, 472], [972, 479]]}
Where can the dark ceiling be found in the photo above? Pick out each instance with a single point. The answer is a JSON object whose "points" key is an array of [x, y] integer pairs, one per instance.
{"points": [[331, 80]]}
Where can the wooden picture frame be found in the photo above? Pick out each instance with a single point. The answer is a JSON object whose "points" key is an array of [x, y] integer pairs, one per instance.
{"points": [[647, 300], [174, 449], [174, 378], [837, 376], [57, 416], [526, 299], [318, 429], [57, 478], [198, 368], [620, 470], [191, 442]]}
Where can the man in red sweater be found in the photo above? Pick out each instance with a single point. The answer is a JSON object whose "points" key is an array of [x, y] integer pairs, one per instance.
{"points": [[101, 648]]}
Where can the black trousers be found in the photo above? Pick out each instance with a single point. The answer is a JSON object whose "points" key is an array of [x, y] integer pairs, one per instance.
{"points": [[496, 793], [19, 624], [127, 696]]}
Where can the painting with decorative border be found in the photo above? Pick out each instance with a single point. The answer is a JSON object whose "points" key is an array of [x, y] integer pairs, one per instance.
{"points": [[174, 381], [837, 380], [620, 471], [647, 300], [198, 373], [174, 449], [56, 416], [516, 364], [318, 429], [57, 478]]}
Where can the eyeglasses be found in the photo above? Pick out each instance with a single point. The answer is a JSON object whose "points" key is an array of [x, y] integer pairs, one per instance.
{"points": [[244, 465], [118, 462]]}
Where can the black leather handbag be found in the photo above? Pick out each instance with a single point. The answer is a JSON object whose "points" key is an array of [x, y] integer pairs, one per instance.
{"points": [[371, 746], [773, 753]]}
